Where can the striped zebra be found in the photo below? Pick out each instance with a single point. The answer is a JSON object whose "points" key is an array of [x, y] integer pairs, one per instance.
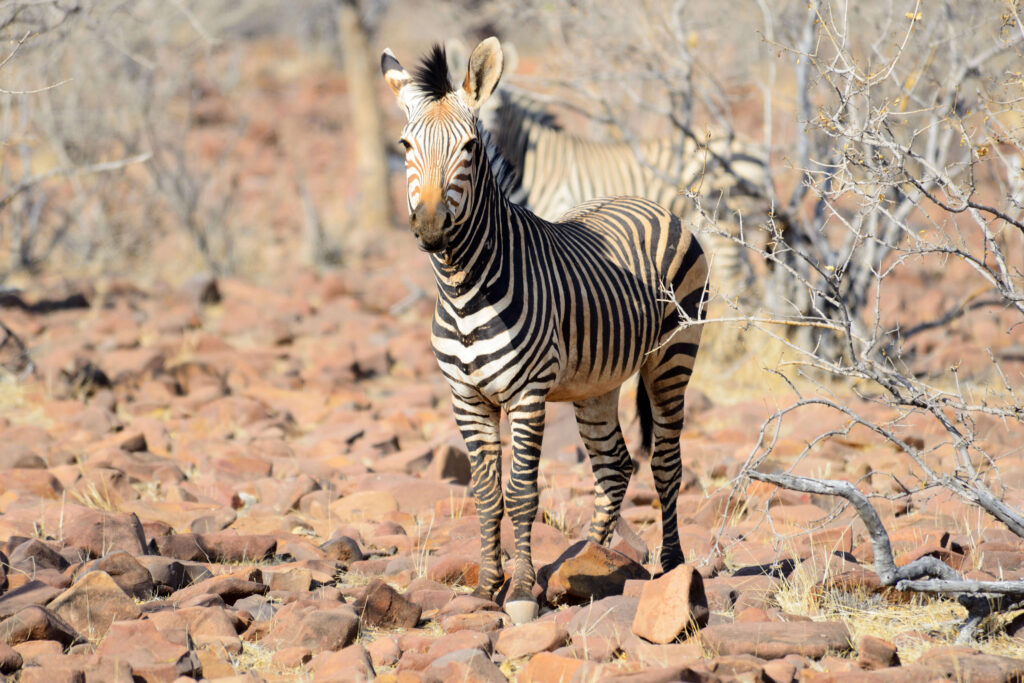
{"points": [[530, 311], [555, 170]]}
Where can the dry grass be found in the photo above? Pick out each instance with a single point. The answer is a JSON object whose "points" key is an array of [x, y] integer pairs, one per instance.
{"points": [[258, 659], [914, 627]]}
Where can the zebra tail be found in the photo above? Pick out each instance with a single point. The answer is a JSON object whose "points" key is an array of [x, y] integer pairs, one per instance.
{"points": [[643, 411]]}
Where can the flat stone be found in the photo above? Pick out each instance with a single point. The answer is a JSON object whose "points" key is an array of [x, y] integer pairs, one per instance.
{"points": [[547, 667], [774, 640], [529, 639]]}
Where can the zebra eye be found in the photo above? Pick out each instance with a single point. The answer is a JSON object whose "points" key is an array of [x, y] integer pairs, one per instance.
{"points": [[470, 146], [406, 145]]}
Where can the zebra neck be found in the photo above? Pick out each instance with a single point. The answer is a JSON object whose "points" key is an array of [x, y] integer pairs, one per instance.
{"points": [[477, 245]]}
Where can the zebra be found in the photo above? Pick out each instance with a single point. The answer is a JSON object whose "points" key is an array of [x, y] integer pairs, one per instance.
{"points": [[530, 311], [555, 170]]}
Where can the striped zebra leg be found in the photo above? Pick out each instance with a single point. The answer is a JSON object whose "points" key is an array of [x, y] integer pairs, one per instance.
{"points": [[666, 383], [598, 422], [479, 423], [527, 423]]}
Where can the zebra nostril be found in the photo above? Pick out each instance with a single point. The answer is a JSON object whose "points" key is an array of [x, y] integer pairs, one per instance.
{"points": [[447, 221]]}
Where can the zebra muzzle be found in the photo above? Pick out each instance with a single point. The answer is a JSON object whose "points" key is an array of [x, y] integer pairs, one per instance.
{"points": [[430, 227]]}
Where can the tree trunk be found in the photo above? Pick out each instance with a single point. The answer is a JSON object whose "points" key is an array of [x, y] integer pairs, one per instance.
{"points": [[361, 75]]}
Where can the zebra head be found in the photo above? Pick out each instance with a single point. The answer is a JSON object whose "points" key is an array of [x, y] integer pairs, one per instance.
{"points": [[440, 138]]}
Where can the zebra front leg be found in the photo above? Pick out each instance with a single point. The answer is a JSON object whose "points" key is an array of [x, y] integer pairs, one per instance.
{"points": [[479, 422], [527, 422], [598, 421]]}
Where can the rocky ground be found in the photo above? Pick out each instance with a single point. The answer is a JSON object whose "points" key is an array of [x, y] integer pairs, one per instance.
{"points": [[229, 481]]}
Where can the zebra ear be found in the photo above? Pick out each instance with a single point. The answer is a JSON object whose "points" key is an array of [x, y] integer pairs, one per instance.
{"points": [[484, 72], [395, 74]]}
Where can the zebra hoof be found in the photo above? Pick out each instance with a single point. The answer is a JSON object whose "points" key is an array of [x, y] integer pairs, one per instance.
{"points": [[522, 611]]}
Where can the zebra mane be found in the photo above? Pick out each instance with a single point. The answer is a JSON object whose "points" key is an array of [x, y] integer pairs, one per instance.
{"points": [[523, 106], [505, 174], [431, 76]]}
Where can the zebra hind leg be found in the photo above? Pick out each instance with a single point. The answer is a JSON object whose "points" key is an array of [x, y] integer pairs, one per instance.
{"points": [[666, 384], [598, 422]]}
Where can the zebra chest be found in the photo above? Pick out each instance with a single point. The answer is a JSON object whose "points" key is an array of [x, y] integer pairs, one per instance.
{"points": [[490, 352]]}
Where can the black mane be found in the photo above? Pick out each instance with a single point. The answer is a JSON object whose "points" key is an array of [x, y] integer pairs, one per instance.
{"points": [[431, 75]]}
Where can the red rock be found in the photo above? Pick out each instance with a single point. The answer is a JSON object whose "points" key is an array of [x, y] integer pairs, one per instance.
{"points": [[594, 648], [37, 623], [752, 614], [33, 555], [549, 668], [342, 549], [653, 654], [10, 659], [317, 629], [610, 618], [37, 674], [460, 640], [98, 533], [455, 569], [587, 571], [210, 626], [465, 604], [92, 603], [384, 652], [31, 593], [739, 667], [969, 664], [217, 520], [529, 639], [151, 655], [672, 605], [349, 664], [229, 588], [471, 666], [229, 546], [383, 607], [774, 640], [33, 481], [32, 651], [291, 657], [484, 622], [779, 671], [875, 653], [126, 571], [188, 547], [293, 580], [363, 505]]}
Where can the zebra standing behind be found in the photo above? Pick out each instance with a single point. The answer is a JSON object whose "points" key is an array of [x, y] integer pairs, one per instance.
{"points": [[530, 311], [556, 170]]}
